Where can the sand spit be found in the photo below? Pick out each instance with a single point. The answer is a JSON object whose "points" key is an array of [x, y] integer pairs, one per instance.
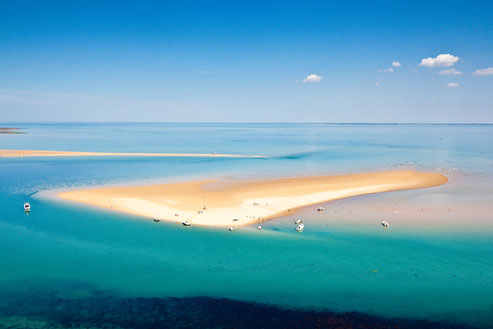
{"points": [[218, 203]]}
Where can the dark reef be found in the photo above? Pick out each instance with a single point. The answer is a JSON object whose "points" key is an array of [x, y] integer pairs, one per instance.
{"points": [[102, 310]]}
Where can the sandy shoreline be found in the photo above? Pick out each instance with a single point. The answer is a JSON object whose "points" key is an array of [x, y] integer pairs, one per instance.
{"points": [[246, 201], [40, 153]]}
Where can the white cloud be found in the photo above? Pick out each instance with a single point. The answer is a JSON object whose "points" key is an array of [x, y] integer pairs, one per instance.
{"points": [[312, 78], [396, 64], [451, 71], [488, 71], [442, 60], [452, 84], [377, 84], [387, 70]]}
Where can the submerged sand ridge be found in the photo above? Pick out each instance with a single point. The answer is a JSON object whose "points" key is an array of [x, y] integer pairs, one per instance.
{"points": [[216, 203], [39, 153]]}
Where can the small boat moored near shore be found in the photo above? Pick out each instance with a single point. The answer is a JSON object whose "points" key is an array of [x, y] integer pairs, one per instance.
{"points": [[27, 207], [259, 227], [385, 224], [297, 221], [231, 228], [156, 219], [186, 223], [320, 209], [300, 228]]}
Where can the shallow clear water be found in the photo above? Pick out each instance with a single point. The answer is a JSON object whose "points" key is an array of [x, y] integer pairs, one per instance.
{"points": [[411, 272]]}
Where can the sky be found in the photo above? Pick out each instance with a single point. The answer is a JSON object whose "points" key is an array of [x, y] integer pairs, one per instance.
{"points": [[246, 61]]}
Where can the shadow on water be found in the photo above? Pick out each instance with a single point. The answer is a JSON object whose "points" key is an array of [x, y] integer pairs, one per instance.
{"points": [[73, 305]]}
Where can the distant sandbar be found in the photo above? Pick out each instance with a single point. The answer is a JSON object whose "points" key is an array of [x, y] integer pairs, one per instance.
{"points": [[39, 153], [11, 131]]}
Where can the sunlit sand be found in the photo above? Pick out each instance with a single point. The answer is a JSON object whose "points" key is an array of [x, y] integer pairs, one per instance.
{"points": [[219, 203], [36, 153]]}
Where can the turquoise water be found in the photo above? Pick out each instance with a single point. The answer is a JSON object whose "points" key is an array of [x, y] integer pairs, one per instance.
{"points": [[444, 274]]}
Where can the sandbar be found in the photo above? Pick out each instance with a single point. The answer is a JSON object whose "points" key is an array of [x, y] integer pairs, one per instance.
{"points": [[226, 203], [12, 131], [40, 153]]}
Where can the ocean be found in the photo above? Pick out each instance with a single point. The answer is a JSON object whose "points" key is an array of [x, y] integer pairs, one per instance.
{"points": [[428, 269]]}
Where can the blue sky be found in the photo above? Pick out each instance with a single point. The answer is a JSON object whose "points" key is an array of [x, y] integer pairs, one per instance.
{"points": [[246, 61]]}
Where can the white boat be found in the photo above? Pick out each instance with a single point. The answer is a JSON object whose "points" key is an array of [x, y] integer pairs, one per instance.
{"points": [[231, 229], [27, 207], [300, 228], [297, 221], [186, 223], [385, 224], [259, 227], [156, 219], [320, 209]]}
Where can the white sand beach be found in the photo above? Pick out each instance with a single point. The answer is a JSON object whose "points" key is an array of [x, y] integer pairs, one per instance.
{"points": [[217, 203]]}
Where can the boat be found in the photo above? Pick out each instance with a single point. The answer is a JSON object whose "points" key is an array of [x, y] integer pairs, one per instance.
{"points": [[320, 209], [156, 219], [385, 224], [186, 223], [231, 229], [27, 207], [297, 221], [300, 228], [259, 227]]}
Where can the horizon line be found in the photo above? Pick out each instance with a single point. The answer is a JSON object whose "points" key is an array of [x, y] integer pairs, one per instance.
{"points": [[248, 122]]}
